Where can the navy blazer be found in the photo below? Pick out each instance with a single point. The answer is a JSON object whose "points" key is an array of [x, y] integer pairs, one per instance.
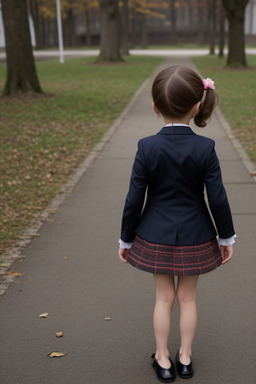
{"points": [[172, 169]]}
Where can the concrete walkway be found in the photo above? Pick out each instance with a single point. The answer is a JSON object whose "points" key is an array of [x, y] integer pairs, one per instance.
{"points": [[71, 53], [72, 272]]}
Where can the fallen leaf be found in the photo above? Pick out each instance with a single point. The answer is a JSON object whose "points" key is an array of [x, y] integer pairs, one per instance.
{"points": [[59, 334], [107, 319], [15, 274], [56, 354], [253, 173], [43, 315]]}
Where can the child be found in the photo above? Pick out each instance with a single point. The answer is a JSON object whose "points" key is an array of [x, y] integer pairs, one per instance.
{"points": [[173, 234]]}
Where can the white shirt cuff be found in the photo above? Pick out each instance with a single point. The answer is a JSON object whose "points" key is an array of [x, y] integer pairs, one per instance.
{"points": [[124, 245], [229, 241]]}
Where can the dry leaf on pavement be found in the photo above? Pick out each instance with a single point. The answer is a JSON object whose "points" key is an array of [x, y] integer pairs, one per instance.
{"points": [[59, 334], [56, 354], [44, 315], [15, 274]]}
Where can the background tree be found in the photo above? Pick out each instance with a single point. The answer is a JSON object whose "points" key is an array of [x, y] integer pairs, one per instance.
{"points": [[201, 25], [34, 12], [142, 9], [48, 22], [88, 6], [213, 19], [222, 18], [47, 10], [235, 11], [69, 27], [70, 10], [21, 69], [173, 14], [111, 31], [125, 29]]}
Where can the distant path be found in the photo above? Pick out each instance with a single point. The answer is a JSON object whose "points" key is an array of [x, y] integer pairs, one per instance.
{"points": [[53, 54]]}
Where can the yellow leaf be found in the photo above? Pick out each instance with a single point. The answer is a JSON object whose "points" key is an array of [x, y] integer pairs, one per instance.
{"points": [[15, 274], [43, 315], [56, 354], [59, 334]]}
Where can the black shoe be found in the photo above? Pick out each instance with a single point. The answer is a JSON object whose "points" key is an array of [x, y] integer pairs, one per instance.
{"points": [[184, 371], [165, 375]]}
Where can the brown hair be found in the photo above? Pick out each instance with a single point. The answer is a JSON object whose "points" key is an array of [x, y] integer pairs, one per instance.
{"points": [[177, 89]]}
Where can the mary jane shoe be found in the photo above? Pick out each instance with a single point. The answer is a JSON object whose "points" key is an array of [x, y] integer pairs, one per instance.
{"points": [[184, 371], [165, 375]]}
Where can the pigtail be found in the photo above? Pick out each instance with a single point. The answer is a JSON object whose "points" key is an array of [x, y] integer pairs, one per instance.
{"points": [[206, 108]]}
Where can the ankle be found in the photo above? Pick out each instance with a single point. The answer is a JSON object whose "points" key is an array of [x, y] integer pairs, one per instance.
{"points": [[162, 353], [185, 356], [163, 358]]}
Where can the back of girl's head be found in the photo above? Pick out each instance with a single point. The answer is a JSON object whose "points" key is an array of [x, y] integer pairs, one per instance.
{"points": [[177, 89]]}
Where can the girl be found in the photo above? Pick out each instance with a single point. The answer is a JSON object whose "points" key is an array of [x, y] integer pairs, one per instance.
{"points": [[173, 234]]}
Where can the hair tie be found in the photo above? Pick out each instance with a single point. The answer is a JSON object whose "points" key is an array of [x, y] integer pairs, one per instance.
{"points": [[208, 83]]}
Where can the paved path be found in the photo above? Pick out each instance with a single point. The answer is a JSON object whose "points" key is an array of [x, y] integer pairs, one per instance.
{"points": [[72, 272], [69, 53]]}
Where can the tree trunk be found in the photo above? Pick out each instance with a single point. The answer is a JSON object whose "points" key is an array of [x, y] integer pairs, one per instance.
{"points": [[235, 11], [207, 33], [125, 34], [200, 35], [33, 7], [133, 28], [222, 32], [144, 31], [69, 29], [110, 34], [173, 22], [213, 26], [88, 28], [42, 30], [21, 69]]}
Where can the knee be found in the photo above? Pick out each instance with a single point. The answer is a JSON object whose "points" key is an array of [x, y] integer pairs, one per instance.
{"points": [[184, 296], [167, 298]]}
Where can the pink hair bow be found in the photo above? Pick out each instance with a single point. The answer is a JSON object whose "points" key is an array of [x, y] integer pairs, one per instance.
{"points": [[208, 83]]}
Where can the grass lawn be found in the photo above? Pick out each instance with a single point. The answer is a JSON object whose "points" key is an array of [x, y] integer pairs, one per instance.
{"points": [[43, 139], [237, 96]]}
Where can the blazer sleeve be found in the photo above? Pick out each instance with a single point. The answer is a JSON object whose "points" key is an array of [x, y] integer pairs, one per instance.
{"points": [[135, 197], [217, 197]]}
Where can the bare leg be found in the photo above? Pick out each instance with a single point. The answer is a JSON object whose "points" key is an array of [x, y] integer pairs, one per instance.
{"points": [[186, 295], [165, 297]]}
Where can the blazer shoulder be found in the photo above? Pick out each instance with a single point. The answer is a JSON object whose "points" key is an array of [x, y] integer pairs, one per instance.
{"points": [[205, 140], [147, 139], [147, 142]]}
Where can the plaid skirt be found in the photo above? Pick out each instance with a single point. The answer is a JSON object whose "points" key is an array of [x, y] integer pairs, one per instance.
{"points": [[174, 260]]}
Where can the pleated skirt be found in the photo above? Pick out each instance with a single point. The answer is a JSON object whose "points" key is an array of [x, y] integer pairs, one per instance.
{"points": [[175, 260]]}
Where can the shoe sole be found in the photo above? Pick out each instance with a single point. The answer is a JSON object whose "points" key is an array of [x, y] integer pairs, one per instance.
{"points": [[185, 376]]}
